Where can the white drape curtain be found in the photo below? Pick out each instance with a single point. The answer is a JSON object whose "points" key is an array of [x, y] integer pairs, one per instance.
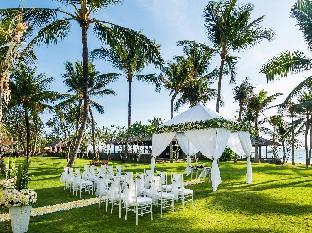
{"points": [[186, 145], [211, 143], [247, 147], [159, 144], [204, 140], [235, 145], [188, 148]]}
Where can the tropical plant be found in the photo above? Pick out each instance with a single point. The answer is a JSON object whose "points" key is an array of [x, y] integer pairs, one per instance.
{"points": [[230, 28], [242, 94], [30, 94], [97, 87], [56, 25], [281, 132], [195, 67], [188, 78], [131, 54], [257, 104], [305, 108]]}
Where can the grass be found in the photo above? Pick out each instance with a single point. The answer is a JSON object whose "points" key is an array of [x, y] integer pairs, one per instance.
{"points": [[279, 200]]}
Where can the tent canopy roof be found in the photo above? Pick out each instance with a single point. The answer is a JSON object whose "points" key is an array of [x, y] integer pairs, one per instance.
{"points": [[194, 114]]}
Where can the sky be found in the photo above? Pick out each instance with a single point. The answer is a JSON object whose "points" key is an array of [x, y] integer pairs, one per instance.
{"points": [[166, 22]]}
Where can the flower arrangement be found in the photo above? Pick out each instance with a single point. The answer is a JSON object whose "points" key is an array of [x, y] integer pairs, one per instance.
{"points": [[15, 189], [213, 123], [14, 198]]}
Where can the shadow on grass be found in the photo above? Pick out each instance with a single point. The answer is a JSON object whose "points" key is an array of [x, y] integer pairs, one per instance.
{"points": [[254, 203]]}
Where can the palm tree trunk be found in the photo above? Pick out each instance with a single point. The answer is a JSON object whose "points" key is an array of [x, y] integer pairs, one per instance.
{"points": [[306, 146], [220, 81], [284, 151], [172, 104], [257, 159], [129, 98], [310, 150], [27, 124], [240, 112], [292, 140], [84, 114], [95, 154]]}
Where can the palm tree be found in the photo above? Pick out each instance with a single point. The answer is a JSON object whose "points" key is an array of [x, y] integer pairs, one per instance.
{"points": [[55, 26], [173, 79], [195, 66], [257, 104], [97, 88], [242, 94], [188, 78], [305, 108], [131, 54], [230, 29], [293, 62], [31, 93]]}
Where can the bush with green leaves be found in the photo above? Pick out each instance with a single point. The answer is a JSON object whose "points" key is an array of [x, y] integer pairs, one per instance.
{"points": [[22, 178]]}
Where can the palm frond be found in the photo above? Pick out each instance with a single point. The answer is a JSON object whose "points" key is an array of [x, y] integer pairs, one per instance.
{"points": [[302, 11], [52, 33], [36, 17], [286, 63], [304, 85], [151, 78]]}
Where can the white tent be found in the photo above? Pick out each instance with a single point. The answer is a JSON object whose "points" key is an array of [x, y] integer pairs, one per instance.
{"points": [[211, 142]]}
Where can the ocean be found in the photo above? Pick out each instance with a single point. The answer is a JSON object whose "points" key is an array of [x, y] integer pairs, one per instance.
{"points": [[299, 154]]}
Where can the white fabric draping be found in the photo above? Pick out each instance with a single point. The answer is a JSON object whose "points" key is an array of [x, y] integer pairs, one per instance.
{"points": [[235, 145], [204, 140], [159, 144], [153, 162], [188, 148], [247, 147], [211, 142], [186, 145]]}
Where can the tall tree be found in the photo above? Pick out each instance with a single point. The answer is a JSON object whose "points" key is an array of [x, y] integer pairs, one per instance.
{"points": [[189, 77], [242, 94], [258, 104], [131, 54], [31, 93], [56, 25], [230, 29], [97, 87]]}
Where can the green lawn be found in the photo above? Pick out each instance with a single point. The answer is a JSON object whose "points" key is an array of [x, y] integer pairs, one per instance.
{"points": [[279, 200]]}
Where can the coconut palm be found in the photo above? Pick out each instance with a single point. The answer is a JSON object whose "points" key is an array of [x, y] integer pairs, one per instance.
{"points": [[242, 94], [131, 54], [188, 78], [97, 87], [56, 25], [30, 93], [257, 104], [304, 107], [293, 62], [230, 28]]}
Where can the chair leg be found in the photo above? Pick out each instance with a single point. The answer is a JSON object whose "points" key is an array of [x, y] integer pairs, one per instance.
{"points": [[152, 212], [173, 204], [119, 208], [106, 204], [112, 207], [136, 215], [126, 216], [161, 207]]}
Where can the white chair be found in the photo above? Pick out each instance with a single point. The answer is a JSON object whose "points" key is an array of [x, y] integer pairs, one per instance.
{"points": [[80, 185], [114, 195], [179, 191], [138, 205], [118, 170], [160, 197]]}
